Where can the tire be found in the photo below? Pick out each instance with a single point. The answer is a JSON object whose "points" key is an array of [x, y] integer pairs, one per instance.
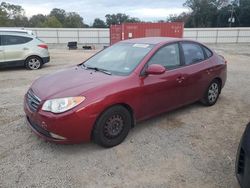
{"points": [[33, 63], [237, 157], [112, 127], [212, 94]]}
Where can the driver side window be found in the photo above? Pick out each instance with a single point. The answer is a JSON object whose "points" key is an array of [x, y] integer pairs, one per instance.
{"points": [[168, 56]]}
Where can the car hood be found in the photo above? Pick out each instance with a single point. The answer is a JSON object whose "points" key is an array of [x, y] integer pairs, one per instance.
{"points": [[70, 82]]}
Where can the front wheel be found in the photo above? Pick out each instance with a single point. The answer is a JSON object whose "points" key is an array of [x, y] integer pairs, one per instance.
{"points": [[33, 63], [112, 126], [212, 94]]}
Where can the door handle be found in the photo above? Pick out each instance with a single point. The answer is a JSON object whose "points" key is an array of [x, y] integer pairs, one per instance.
{"points": [[25, 48], [1, 50], [209, 71], [180, 79]]}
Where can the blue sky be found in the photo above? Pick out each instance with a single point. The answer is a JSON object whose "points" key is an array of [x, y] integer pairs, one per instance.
{"points": [[148, 10]]}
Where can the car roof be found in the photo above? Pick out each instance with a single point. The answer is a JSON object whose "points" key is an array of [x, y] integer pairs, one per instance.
{"points": [[16, 30], [16, 34], [152, 40]]}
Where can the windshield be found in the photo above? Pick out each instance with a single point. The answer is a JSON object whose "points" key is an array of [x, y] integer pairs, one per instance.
{"points": [[120, 59]]}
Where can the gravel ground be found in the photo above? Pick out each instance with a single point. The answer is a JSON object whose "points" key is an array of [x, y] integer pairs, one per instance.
{"points": [[192, 147]]}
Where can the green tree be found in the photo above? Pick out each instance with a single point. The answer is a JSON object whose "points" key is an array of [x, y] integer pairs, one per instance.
{"points": [[183, 17], [112, 19], [58, 18], [73, 20], [53, 22], [244, 13], [223, 16], [60, 14], [37, 20], [20, 21], [98, 23], [243, 3], [3, 16], [85, 25], [225, 13], [12, 10], [12, 15], [133, 20], [204, 12], [215, 13]]}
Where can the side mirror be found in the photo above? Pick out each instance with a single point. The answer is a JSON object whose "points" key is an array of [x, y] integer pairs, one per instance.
{"points": [[155, 69]]}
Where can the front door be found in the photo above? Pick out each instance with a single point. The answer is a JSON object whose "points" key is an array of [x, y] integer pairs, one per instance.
{"points": [[163, 92]]}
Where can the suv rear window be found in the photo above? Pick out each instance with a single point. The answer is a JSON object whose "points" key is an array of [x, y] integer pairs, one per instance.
{"points": [[13, 40]]}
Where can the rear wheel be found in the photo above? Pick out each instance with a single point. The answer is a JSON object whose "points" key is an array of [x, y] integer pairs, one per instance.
{"points": [[112, 127], [212, 94], [33, 63]]}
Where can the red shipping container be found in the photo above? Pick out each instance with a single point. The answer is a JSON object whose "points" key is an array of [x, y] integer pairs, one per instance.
{"points": [[139, 30]]}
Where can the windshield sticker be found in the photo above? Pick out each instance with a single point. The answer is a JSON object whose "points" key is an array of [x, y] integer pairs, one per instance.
{"points": [[126, 68], [141, 45]]}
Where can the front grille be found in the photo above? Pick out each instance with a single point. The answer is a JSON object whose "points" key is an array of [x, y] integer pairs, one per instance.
{"points": [[39, 129], [33, 101], [241, 162]]}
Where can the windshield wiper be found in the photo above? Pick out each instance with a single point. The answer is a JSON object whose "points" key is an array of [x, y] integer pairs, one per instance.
{"points": [[97, 69]]}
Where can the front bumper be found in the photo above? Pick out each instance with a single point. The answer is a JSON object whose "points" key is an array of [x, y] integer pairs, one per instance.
{"points": [[44, 133], [71, 127]]}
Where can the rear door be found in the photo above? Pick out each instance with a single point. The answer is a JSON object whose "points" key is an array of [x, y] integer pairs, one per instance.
{"points": [[196, 70], [1, 51], [15, 47]]}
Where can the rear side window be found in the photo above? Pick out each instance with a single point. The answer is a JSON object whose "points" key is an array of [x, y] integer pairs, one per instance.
{"points": [[208, 52], [193, 53], [14, 40]]}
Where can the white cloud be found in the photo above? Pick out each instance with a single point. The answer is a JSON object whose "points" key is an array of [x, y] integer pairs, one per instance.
{"points": [[31, 10], [156, 12], [90, 9]]}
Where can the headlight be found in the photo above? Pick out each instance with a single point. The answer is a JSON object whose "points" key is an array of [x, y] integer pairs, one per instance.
{"points": [[62, 105]]}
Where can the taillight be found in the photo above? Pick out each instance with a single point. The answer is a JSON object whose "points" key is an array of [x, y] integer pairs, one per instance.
{"points": [[223, 58], [43, 46]]}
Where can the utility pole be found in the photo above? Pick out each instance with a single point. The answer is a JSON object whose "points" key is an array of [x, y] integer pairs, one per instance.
{"points": [[231, 19]]}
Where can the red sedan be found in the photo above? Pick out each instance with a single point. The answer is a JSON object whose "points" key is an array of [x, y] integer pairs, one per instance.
{"points": [[133, 80]]}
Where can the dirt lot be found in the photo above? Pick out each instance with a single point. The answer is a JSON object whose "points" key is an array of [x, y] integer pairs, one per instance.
{"points": [[192, 147]]}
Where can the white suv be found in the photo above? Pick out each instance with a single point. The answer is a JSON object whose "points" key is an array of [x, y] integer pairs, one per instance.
{"points": [[19, 49]]}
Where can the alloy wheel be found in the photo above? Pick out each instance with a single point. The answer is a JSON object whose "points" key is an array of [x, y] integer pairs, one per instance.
{"points": [[213, 92], [34, 63]]}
